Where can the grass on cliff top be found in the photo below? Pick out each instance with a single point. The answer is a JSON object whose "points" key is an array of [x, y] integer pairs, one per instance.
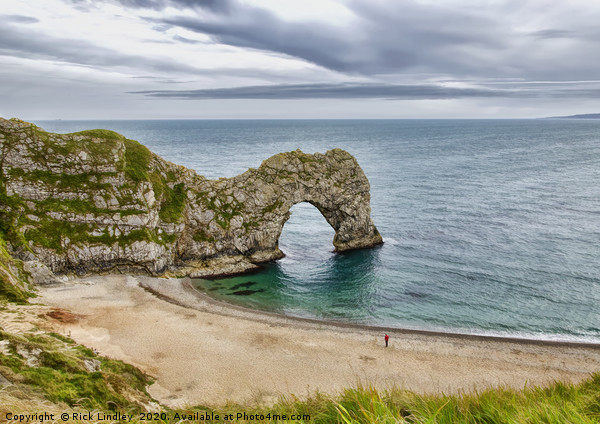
{"points": [[51, 233], [99, 143], [137, 161], [99, 133], [172, 200], [60, 374], [559, 403]]}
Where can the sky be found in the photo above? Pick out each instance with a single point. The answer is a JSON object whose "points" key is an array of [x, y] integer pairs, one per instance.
{"points": [[277, 59]]}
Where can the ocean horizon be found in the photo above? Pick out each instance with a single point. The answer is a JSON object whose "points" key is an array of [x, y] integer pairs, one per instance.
{"points": [[490, 227]]}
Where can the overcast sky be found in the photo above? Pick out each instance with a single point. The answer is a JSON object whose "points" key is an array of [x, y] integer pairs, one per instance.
{"points": [[150, 59]]}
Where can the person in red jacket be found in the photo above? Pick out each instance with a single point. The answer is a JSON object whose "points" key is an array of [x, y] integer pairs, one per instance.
{"points": [[387, 338]]}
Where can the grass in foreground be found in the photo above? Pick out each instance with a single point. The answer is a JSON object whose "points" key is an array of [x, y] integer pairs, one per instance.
{"points": [[60, 371], [558, 403]]}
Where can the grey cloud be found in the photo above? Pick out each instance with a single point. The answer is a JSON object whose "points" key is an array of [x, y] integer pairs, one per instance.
{"points": [[391, 38], [185, 40], [383, 91], [330, 91], [214, 5], [259, 29], [157, 79], [553, 33], [18, 43], [19, 19], [220, 6], [383, 40], [388, 37], [162, 28], [23, 44]]}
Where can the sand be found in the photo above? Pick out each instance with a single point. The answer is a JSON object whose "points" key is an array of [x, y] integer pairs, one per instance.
{"points": [[204, 352]]}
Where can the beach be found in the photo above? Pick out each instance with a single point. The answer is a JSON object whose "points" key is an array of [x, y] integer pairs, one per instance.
{"points": [[200, 351]]}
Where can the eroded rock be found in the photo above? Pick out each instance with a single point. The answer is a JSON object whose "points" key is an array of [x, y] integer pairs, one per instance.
{"points": [[95, 201]]}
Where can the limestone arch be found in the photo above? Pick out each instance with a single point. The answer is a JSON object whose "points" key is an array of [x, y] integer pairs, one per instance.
{"points": [[332, 182]]}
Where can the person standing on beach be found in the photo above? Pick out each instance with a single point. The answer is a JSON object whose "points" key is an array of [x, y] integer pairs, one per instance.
{"points": [[387, 338]]}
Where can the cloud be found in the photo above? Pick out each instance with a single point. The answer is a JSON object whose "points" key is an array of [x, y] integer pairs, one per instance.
{"points": [[19, 19], [185, 40], [332, 91], [466, 51], [21, 43], [385, 37], [456, 39], [380, 41], [221, 6], [24, 44], [386, 91], [554, 33]]}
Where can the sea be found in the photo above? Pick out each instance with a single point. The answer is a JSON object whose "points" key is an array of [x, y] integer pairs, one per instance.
{"points": [[490, 227]]}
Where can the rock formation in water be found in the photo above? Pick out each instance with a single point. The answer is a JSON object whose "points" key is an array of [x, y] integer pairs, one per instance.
{"points": [[95, 201]]}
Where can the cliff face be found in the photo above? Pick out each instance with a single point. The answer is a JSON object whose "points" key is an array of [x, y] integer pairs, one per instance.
{"points": [[13, 280], [95, 201]]}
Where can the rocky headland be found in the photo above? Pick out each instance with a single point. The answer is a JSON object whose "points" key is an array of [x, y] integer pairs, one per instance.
{"points": [[95, 201]]}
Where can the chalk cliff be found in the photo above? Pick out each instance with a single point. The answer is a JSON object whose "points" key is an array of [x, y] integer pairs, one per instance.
{"points": [[95, 201]]}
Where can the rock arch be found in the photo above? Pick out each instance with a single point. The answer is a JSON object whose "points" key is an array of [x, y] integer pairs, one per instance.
{"points": [[96, 201], [261, 199]]}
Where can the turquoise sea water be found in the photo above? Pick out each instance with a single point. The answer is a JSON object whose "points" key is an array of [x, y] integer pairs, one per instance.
{"points": [[490, 226]]}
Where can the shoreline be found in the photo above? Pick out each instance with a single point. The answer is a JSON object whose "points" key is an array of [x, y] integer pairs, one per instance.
{"points": [[182, 299], [213, 353]]}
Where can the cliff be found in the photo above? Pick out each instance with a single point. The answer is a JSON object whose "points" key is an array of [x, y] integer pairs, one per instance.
{"points": [[95, 201], [14, 284], [581, 116]]}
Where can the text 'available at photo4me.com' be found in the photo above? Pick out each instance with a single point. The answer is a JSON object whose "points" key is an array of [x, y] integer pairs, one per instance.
{"points": [[204, 416]]}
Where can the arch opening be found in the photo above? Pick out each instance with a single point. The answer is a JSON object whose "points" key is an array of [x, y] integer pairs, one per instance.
{"points": [[306, 233]]}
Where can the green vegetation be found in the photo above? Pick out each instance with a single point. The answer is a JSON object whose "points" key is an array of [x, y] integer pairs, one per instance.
{"points": [[223, 209], [62, 181], [35, 221], [250, 224], [312, 167], [171, 209], [272, 207], [137, 161], [306, 158], [202, 236], [98, 143], [98, 133], [171, 197], [80, 207], [65, 372], [145, 234], [10, 210], [52, 234], [559, 403], [13, 281]]}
